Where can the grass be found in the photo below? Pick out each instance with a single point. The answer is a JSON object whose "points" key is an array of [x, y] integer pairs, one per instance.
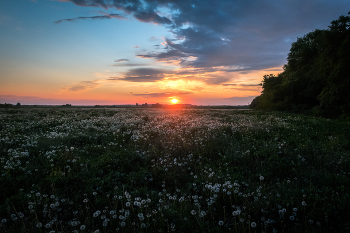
{"points": [[156, 170]]}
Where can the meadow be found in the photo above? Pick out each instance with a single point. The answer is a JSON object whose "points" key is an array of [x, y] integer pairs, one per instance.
{"points": [[172, 170]]}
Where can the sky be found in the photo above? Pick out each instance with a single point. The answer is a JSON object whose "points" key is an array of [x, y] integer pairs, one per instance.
{"points": [[115, 52]]}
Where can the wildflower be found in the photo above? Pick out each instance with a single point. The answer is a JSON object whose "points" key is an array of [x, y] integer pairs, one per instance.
{"points": [[253, 224], [39, 224], [221, 223], [303, 203], [82, 227], [261, 178], [122, 224], [3, 220], [291, 218], [193, 212]]}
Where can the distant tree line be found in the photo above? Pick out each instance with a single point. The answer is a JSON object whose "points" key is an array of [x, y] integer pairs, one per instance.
{"points": [[6, 105], [316, 78]]}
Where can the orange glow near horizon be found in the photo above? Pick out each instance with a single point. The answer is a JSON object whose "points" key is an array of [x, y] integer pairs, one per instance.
{"points": [[174, 101]]}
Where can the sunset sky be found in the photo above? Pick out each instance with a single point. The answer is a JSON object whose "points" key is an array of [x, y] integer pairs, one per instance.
{"points": [[202, 52]]}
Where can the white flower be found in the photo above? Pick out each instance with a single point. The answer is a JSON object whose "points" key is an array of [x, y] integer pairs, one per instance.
{"points": [[303, 203], [291, 218], [193, 212], [221, 223], [261, 178], [82, 227], [39, 224], [253, 224]]}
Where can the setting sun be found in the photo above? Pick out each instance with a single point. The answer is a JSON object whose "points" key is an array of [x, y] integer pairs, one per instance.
{"points": [[174, 101]]}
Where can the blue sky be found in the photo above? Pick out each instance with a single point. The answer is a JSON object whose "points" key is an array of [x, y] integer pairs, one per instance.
{"points": [[122, 52]]}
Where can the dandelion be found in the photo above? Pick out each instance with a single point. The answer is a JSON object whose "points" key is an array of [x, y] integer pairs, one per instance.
{"points": [[303, 203], [253, 224], [3, 220], [261, 178], [291, 218], [193, 212], [122, 224], [221, 223]]}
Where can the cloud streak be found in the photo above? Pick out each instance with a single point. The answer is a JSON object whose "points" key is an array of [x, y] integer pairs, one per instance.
{"points": [[142, 75], [162, 94], [105, 16], [83, 86]]}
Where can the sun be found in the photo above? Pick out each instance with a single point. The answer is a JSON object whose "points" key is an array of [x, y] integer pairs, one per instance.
{"points": [[174, 101]]}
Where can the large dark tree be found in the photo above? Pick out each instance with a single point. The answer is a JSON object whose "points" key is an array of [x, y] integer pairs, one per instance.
{"points": [[316, 77]]}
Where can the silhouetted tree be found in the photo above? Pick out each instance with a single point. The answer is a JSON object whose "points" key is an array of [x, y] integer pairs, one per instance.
{"points": [[316, 77]]}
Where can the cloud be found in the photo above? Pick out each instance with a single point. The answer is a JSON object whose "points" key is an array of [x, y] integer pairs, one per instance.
{"points": [[91, 3], [121, 60], [162, 94], [105, 16], [142, 75], [83, 86], [251, 35]]}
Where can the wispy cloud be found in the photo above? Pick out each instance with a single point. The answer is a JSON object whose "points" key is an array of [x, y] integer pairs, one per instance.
{"points": [[121, 60], [162, 94], [142, 75], [83, 86], [105, 16]]}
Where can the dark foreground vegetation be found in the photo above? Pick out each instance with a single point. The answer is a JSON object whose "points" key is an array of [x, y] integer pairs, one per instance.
{"points": [[316, 79], [164, 170]]}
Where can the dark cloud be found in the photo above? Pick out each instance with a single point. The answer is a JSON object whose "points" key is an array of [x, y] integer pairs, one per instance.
{"points": [[105, 16], [142, 75], [162, 94], [251, 35], [171, 54], [121, 60], [93, 3]]}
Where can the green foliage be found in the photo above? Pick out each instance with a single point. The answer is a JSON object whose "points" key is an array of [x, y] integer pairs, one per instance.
{"points": [[316, 78]]}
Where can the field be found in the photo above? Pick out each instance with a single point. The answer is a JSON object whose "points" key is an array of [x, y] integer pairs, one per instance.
{"points": [[175, 170]]}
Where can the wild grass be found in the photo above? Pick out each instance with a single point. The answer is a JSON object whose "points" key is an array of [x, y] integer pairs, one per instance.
{"points": [[156, 170]]}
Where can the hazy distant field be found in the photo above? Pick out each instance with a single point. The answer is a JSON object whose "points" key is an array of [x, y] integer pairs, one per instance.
{"points": [[155, 170]]}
